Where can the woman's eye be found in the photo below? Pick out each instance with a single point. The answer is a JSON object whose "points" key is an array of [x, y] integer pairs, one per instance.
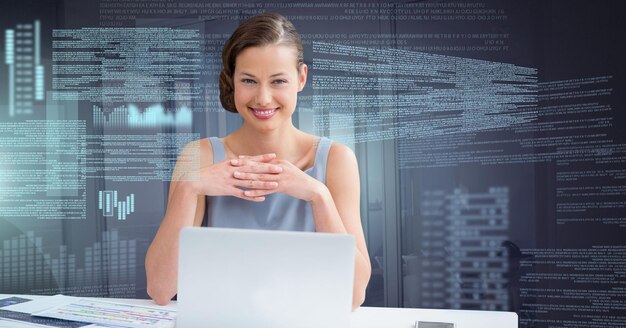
{"points": [[248, 81], [280, 81]]}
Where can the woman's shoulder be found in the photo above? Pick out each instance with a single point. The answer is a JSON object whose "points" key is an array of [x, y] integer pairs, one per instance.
{"points": [[340, 155], [340, 158], [199, 150], [342, 169]]}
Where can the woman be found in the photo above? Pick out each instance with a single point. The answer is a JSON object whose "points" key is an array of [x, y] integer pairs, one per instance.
{"points": [[267, 174]]}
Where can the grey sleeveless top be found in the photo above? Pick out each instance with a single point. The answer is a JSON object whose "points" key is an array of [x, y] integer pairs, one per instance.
{"points": [[278, 212]]}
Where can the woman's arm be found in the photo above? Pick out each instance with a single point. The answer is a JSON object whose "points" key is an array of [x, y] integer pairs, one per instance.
{"points": [[336, 209], [336, 205], [184, 209], [162, 256], [186, 206]]}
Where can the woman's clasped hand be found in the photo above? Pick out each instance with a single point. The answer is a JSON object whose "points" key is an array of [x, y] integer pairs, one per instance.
{"points": [[254, 177]]}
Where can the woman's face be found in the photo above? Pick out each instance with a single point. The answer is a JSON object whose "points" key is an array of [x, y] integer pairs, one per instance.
{"points": [[267, 82]]}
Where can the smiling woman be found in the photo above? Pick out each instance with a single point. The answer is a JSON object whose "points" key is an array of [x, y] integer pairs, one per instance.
{"points": [[264, 88], [267, 174]]}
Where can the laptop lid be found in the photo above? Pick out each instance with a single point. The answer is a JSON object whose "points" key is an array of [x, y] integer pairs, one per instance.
{"points": [[260, 278]]}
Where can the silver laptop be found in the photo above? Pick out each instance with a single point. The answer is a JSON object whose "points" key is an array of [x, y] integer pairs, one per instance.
{"points": [[256, 278]]}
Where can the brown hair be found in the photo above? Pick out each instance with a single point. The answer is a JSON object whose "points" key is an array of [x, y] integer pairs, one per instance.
{"points": [[259, 30]]}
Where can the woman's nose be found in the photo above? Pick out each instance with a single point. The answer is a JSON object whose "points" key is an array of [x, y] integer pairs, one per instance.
{"points": [[263, 96]]}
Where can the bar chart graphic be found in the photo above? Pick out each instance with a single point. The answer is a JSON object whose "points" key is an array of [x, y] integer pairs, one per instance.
{"points": [[106, 267], [108, 202], [26, 73], [133, 117]]}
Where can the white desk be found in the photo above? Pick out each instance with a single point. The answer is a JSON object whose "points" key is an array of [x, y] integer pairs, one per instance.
{"points": [[376, 317]]}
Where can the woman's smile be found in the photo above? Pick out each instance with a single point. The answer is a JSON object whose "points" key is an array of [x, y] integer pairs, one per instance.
{"points": [[263, 113]]}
